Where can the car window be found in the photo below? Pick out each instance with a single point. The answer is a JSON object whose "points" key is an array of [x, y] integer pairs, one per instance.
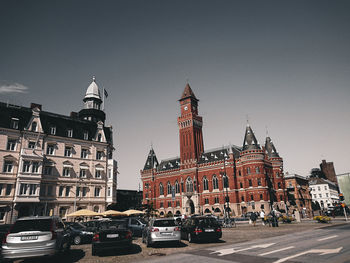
{"points": [[115, 224], [143, 221], [31, 225], [164, 223], [134, 222], [207, 222]]}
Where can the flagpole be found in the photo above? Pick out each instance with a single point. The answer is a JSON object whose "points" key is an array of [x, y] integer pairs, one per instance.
{"points": [[103, 99]]}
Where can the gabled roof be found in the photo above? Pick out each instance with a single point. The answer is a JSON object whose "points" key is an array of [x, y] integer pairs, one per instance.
{"points": [[48, 120], [188, 93], [151, 161], [270, 148], [250, 142], [218, 154]]}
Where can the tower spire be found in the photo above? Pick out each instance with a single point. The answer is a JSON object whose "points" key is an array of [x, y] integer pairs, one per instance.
{"points": [[250, 142]]}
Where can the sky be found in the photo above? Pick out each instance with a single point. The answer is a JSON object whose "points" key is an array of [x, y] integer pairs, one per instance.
{"points": [[283, 65]]}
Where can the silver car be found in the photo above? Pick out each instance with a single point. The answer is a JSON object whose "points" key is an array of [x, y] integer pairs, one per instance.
{"points": [[160, 230], [34, 237]]}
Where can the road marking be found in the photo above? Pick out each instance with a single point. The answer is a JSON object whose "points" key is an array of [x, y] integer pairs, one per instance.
{"points": [[325, 238], [315, 251], [227, 251], [274, 251]]}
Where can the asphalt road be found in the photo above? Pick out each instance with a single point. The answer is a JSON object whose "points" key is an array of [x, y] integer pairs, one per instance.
{"points": [[330, 244]]}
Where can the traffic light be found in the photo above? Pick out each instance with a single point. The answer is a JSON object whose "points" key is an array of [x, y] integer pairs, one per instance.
{"points": [[341, 197]]}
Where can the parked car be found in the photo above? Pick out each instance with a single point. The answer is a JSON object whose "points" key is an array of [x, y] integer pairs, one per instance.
{"points": [[111, 235], [35, 237], [201, 228], [136, 225], [161, 230], [79, 233]]}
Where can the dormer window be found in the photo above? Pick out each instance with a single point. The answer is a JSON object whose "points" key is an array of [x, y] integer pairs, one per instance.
{"points": [[14, 123], [34, 126], [99, 137], [31, 145], [53, 130], [70, 133], [86, 136]]}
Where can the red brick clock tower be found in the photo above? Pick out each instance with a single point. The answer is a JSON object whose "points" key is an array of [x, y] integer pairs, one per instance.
{"points": [[190, 125]]}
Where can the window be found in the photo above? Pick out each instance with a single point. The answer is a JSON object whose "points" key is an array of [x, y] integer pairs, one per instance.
{"points": [[161, 204], [23, 189], [169, 188], [177, 187], [8, 189], [109, 191], [82, 173], [205, 184], [77, 193], [259, 182], [319, 188], [325, 188], [68, 151], [98, 173], [206, 201], [97, 191], [67, 190], [70, 133], [281, 197], [109, 173], [279, 185], [250, 183], [242, 198], [320, 195], [66, 171], [315, 196], [86, 136], [47, 170], [261, 197], [14, 123], [169, 204], [84, 153], [11, 145], [257, 170], [32, 189], [239, 173], [215, 182], [60, 191], [161, 189], [252, 197], [248, 170], [84, 191], [52, 130], [240, 184], [8, 165], [216, 200], [34, 126], [99, 137], [99, 155], [1, 187], [189, 185], [35, 167], [25, 168], [177, 203], [50, 150], [326, 194], [225, 181], [31, 145]]}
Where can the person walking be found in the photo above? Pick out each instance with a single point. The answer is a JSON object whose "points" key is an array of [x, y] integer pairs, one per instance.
{"points": [[262, 216], [253, 218]]}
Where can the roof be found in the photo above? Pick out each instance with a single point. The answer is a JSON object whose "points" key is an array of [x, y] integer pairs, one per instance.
{"points": [[188, 93], [169, 164], [93, 91], [48, 120], [250, 142], [218, 154], [151, 161], [270, 148], [315, 181]]}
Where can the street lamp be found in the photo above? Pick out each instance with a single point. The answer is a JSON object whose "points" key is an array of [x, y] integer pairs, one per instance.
{"points": [[225, 185]]}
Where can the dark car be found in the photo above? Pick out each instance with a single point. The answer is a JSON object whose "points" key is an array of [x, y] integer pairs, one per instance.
{"points": [[136, 225], [111, 235], [91, 226], [34, 237], [79, 233], [201, 228]]}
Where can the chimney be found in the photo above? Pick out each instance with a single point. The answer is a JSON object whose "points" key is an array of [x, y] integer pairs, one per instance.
{"points": [[35, 105], [74, 115]]}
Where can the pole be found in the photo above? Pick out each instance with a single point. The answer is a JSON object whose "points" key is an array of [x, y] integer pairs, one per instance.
{"points": [[346, 218]]}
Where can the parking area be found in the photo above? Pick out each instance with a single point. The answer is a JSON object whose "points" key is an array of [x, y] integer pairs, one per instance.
{"points": [[139, 251]]}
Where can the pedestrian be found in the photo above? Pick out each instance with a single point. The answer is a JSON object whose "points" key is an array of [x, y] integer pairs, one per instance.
{"points": [[253, 218], [262, 216]]}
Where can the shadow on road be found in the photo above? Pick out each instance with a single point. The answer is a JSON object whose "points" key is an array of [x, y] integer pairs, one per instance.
{"points": [[135, 249], [169, 244], [74, 255]]}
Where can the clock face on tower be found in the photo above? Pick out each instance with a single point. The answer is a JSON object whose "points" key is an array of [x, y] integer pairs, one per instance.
{"points": [[185, 108]]}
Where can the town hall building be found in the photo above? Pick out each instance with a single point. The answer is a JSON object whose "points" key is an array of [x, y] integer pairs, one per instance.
{"points": [[229, 179]]}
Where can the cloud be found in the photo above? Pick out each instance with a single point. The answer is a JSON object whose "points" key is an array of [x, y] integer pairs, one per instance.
{"points": [[13, 88]]}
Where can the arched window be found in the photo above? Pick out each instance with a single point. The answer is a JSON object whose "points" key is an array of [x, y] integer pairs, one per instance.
{"points": [[225, 181], [34, 126], [189, 185], [257, 170], [248, 170], [215, 182], [279, 185], [161, 189], [205, 183], [169, 188], [177, 187], [207, 211]]}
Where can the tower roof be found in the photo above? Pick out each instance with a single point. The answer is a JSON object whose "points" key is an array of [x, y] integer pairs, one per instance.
{"points": [[151, 161], [250, 142], [93, 91], [270, 148], [188, 93]]}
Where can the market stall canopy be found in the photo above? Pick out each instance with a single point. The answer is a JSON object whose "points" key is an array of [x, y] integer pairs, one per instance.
{"points": [[84, 212], [133, 212], [113, 213]]}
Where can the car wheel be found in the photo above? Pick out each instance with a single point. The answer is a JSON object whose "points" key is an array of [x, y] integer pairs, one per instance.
{"points": [[189, 238], [77, 240]]}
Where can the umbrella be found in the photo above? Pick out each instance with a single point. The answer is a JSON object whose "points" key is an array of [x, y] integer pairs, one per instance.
{"points": [[133, 212], [83, 212], [113, 213]]}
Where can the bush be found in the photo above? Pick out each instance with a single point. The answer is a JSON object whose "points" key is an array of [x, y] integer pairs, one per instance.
{"points": [[322, 219], [286, 219]]}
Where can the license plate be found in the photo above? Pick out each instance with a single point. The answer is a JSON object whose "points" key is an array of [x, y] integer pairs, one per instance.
{"points": [[112, 235], [167, 233], [25, 238], [209, 230]]}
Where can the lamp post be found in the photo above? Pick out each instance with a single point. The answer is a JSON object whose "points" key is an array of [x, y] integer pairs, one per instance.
{"points": [[225, 185]]}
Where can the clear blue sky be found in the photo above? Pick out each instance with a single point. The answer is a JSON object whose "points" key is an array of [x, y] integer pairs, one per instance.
{"points": [[285, 64]]}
